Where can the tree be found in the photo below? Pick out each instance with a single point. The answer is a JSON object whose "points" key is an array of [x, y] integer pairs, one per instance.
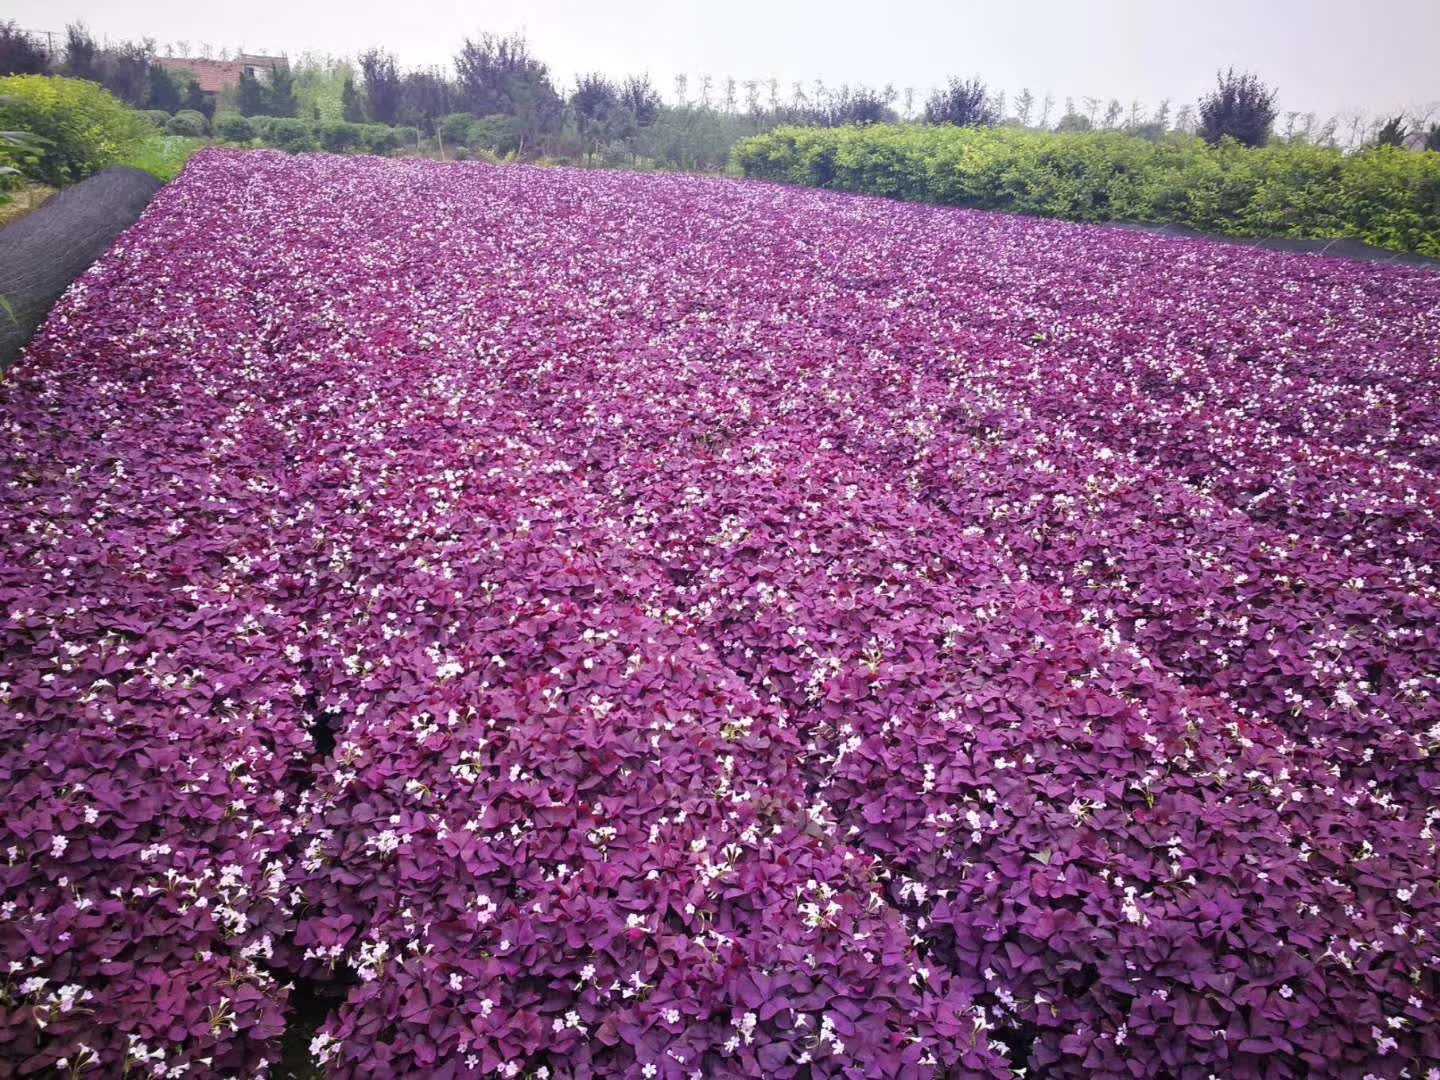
{"points": [[963, 103], [1393, 132], [536, 109], [250, 95], [1074, 121], [127, 71], [595, 104], [82, 55], [1046, 106], [641, 101], [425, 96], [351, 108], [162, 92], [1024, 106], [639, 108], [1432, 137], [20, 54], [280, 94], [382, 86], [1241, 107], [858, 105], [196, 100], [492, 70]]}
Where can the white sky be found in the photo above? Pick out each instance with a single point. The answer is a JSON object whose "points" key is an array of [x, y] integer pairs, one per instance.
{"points": [[1330, 56]]}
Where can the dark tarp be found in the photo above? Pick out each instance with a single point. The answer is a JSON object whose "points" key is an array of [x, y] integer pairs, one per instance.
{"points": [[43, 252]]}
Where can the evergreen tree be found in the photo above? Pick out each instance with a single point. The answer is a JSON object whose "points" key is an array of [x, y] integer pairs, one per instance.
{"points": [[250, 96], [82, 56], [280, 94], [198, 101], [382, 86], [351, 107], [162, 92], [595, 104]]}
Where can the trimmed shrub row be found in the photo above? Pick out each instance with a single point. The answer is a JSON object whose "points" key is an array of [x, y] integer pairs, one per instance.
{"points": [[1387, 197], [297, 136]]}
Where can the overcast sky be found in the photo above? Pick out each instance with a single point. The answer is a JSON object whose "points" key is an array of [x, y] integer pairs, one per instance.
{"points": [[1329, 56]]}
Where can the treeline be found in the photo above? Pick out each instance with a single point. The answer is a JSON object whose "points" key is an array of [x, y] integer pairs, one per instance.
{"points": [[499, 98]]}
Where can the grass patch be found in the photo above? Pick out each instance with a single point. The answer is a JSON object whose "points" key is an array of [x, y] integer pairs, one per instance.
{"points": [[162, 156]]}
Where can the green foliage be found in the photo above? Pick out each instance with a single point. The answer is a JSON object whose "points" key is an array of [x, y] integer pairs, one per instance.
{"points": [[234, 128], [458, 129], [187, 122], [162, 156], [85, 128], [158, 117], [351, 107], [381, 76], [280, 99], [381, 139], [596, 108], [1393, 132], [249, 95], [498, 134], [20, 54], [339, 136], [1386, 197], [19, 153], [163, 94], [289, 134], [196, 100], [693, 137], [1241, 107], [964, 103], [319, 84]]}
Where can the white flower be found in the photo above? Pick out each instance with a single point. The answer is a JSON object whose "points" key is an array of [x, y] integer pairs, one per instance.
{"points": [[58, 844]]}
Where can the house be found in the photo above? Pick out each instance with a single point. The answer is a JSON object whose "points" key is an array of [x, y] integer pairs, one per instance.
{"points": [[216, 76]]}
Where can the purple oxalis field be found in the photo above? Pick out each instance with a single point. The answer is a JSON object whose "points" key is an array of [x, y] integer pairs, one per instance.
{"points": [[588, 624]]}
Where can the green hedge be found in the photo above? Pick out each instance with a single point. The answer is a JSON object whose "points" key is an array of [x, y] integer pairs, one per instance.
{"points": [[1387, 197], [188, 122], [85, 128], [232, 127]]}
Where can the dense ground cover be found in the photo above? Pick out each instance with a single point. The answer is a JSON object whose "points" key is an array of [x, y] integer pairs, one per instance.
{"points": [[596, 624]]}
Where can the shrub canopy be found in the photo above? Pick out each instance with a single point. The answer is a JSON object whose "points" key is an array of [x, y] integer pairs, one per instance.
{"points": [[85, 128], [1386, 197]]}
